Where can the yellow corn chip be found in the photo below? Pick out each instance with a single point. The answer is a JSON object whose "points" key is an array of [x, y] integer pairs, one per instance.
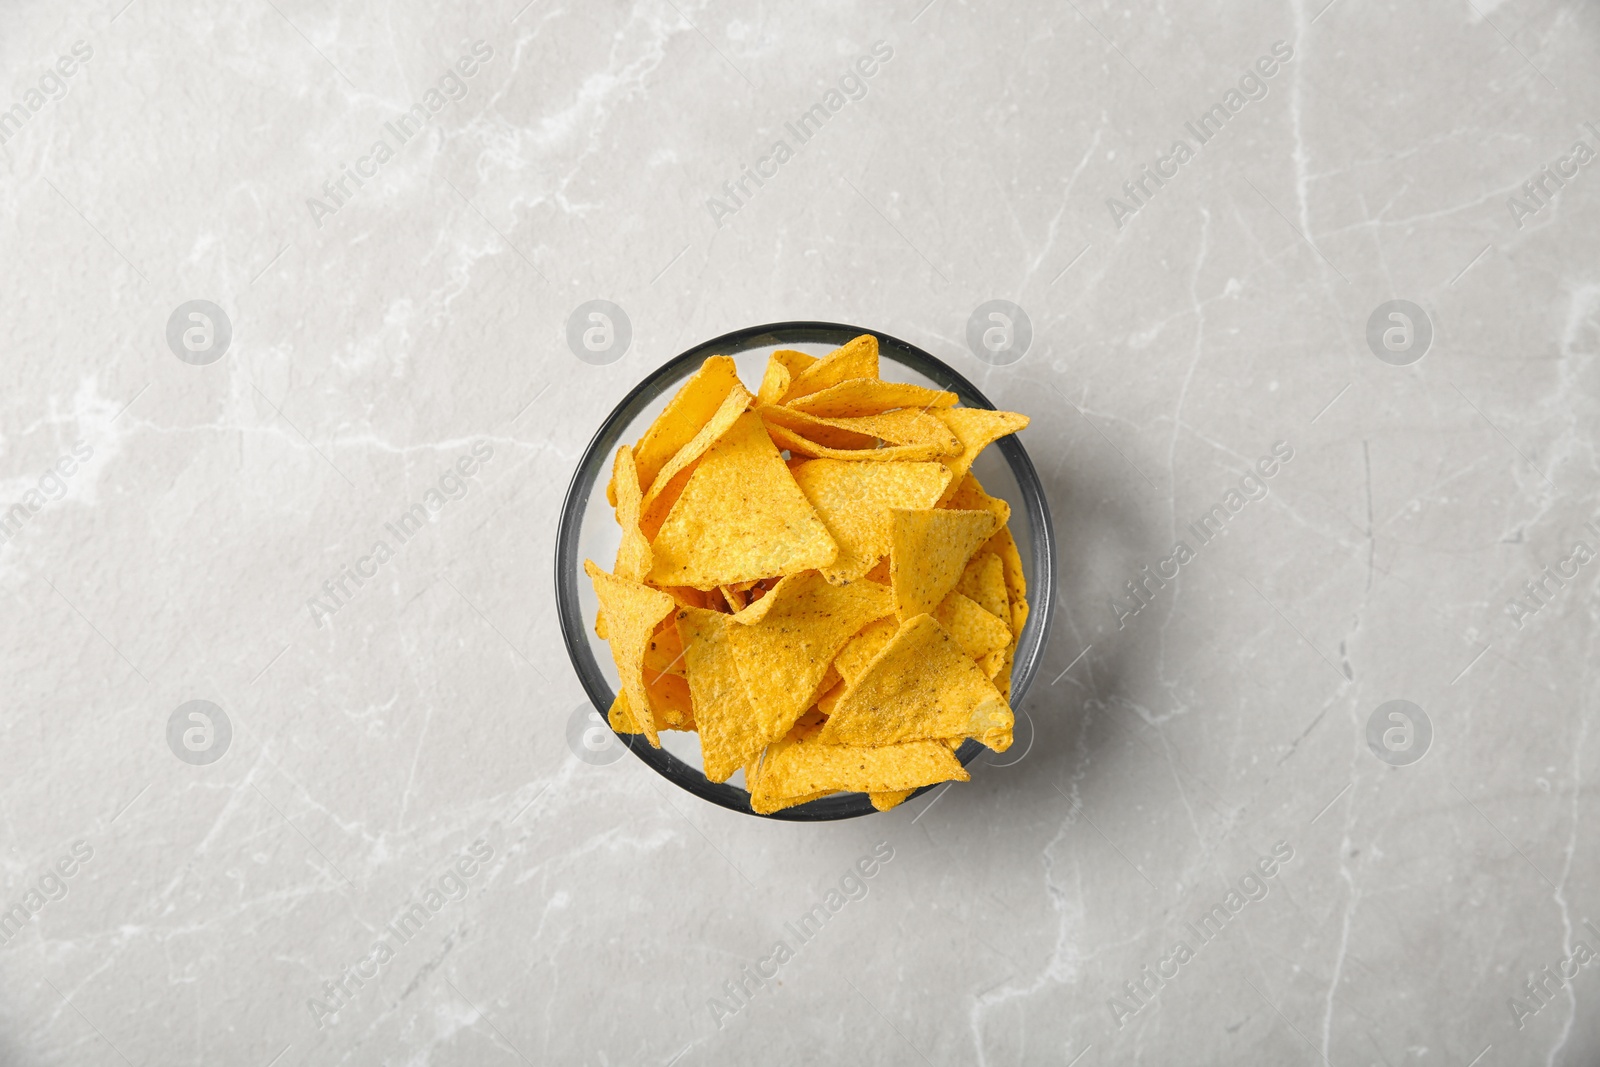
{"points": [[879, 573], [632, 612], [802, 765], [783, 366], [729, 737], [984, 581], [661, 495], [929, 549], [740, 516], [920, 687], [688, 410], [969, 496], [669, 706], [907, 426], [977, 428], [866, 396], [784, 643], [633, 556], [824, 432], [857, 358], [620, 716], [859, 651], [853, 501], [1002, 545], [894, 798], [991, 662], [664, 653], [975, 630], [797, 445]]}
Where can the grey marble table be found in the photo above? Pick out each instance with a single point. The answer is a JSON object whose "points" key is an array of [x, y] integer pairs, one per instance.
{"points": [[1310, 291]]}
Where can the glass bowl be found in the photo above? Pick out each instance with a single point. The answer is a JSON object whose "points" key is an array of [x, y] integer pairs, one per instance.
{"points": [[588, 530]]}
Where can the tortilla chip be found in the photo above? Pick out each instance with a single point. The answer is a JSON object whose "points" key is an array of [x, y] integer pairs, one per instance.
{"points": [[856, 358], [865, 396], [929, 549], [633, 555], [991, 662], [783, 366], [853, 501], [885, 801], [975, 630], [908, 426], [977, 428], [786, 438], [632, 612], [804, 765], [664, 492], [969, 496], [920, 687], [671, 703], [830, 696], [690, 408], [879, 573], [1002, 677], [664, 653], [858, 652], [620, 716], [784, 643], [728, 735], [741, 516], [1002, 545], [825, 432], [984, 582]]}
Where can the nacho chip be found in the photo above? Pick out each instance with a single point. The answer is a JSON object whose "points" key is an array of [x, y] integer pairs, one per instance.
{"points": [[859, 651], [907, 426], [784, 643], [885, 801], [969, 496], [632, 612], [633, 555], [929, 549], [1002, 545], [975, 630], [879, 573], [984, 582], [690, 408], [740, 516], [853, 501], [795, 444], [803, 765], [977, 428], [990, 664], [674, 475], [664, 653], [728, 735], [866, 396], [669, 706], [920, 687], [857, 358], [620, 716], [783, 366]]}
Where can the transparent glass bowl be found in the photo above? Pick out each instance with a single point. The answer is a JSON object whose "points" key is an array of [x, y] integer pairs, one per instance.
{"points": [[588, 530]]}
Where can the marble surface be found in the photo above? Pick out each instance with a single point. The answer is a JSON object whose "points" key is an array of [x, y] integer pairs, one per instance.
{"points": [[179, 490]]}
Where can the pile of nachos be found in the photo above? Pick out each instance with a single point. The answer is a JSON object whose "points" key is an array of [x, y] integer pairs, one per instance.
{"points": [[811, 579]]}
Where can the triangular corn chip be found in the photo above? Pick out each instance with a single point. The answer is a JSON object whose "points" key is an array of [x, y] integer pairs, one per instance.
{"points": [[921, 686], [975, 630], [690, 408], [729, 735], [633, 555], [894, 798], [855, 655], [969, 496], [632, 612], [1003, 545], [664, 653], [674, 475], [802, 765], [797, 445], [857, 358], [929, 549], [783, 366], [853, 501], [866, 396], [793, 633], [984, 581], [740, 516], [977, 428]]}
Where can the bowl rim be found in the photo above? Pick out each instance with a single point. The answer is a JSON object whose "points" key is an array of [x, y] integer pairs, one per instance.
{"points": [[593, 463]]}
